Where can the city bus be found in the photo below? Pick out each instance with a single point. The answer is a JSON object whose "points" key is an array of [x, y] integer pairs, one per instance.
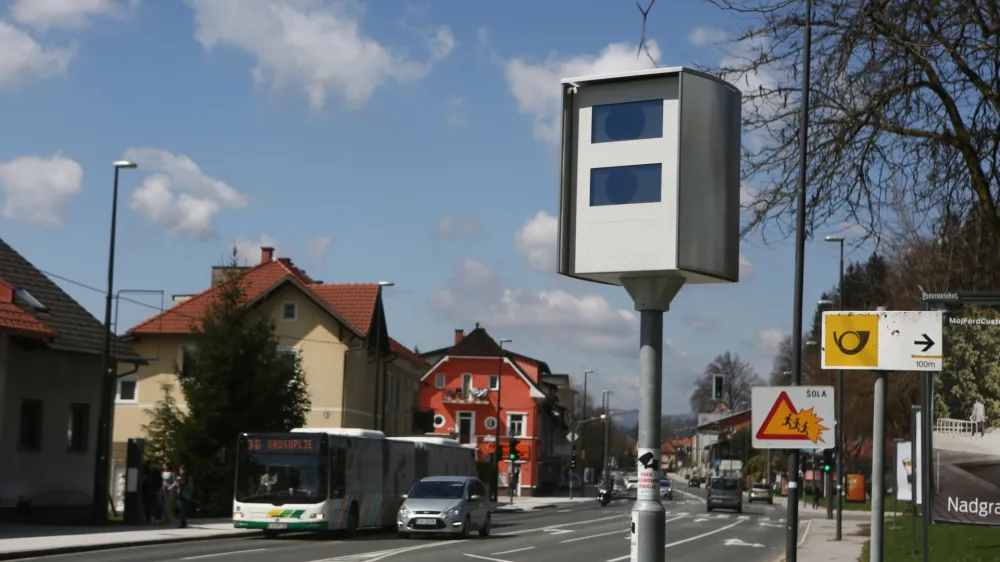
{"points": [[334, 479]]}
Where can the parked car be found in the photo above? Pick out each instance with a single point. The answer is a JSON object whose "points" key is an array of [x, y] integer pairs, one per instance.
{"points": [[445, 505], [725, 493], [761, 492]]}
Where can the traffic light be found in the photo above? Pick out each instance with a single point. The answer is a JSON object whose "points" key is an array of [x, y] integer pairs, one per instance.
{"points": [[827, 460], [572, 460], [717, 384], [513, 449]]}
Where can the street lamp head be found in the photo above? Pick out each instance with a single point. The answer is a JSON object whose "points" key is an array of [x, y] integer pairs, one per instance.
{"points": [[824, 302], [505, 340], [837, 238], [588, 371], [386, 284], [811, 342], [125, 165]]}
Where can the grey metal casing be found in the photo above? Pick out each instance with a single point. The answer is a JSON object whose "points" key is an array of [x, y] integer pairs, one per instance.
{"points": [[693, 230]]}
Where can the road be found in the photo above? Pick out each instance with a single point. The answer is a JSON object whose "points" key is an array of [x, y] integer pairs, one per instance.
{"points": [[587, 533]]}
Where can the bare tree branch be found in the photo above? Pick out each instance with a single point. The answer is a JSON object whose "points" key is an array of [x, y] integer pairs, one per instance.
{"points": [[642, 40]]}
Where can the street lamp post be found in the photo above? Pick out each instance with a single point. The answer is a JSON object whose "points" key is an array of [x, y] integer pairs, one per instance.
{"points": [[583, 435], [840, 401], [606, 401], [109, 376], [378, 360], [496, 446]]}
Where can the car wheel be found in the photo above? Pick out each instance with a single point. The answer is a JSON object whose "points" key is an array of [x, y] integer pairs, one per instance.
{"points": [[352, 523], [739, 509], [485, 530], [465, 528], [708, 509], [270, 535]]}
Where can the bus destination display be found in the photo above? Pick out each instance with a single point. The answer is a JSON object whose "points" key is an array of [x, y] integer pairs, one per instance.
{"points": [[282, 444]]}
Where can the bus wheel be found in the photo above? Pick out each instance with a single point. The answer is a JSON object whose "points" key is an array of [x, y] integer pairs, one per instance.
{"points": [[352, 523], [270, 535]]}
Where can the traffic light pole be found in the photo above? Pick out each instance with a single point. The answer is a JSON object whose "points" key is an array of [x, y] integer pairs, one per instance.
{"points": [[878, 469]]}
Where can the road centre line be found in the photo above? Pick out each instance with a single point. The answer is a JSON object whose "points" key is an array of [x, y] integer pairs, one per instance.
{"points": [[200, 556], [610, 532], [689, 539], [512, 551]]}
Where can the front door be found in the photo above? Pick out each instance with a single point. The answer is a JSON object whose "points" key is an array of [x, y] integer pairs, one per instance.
{"points": [[465, 421]]}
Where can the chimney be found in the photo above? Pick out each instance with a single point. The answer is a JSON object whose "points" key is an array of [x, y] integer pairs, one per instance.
{"points": [[266, 254], [459, 334]]}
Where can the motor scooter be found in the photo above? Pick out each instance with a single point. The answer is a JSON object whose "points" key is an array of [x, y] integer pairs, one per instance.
{"points": [[604, 494]]}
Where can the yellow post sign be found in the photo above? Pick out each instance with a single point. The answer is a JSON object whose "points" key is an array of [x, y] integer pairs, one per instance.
{"points": [[851, 340]]}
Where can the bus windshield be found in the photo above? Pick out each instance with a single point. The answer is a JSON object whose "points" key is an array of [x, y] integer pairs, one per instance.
{"points": [[280, 477]]}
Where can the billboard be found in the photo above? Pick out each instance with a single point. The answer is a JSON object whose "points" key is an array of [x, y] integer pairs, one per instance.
{"points": [[966, 418], [856, 489], [908, 469]]}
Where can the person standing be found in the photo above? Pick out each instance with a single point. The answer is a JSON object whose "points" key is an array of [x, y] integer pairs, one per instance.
{"points": [[978, 418], [184, 493], [169, 491], [152, 483]]}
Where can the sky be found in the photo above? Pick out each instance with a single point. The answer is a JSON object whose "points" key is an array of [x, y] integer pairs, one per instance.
{"points": [[407, 141]]}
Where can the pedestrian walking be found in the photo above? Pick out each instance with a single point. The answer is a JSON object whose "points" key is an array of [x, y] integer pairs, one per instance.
{"points": [[168, 491], [978, 418], [185, 488]]}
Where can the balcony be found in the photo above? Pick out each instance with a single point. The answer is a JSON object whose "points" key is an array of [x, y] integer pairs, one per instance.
{"points": [[469, 396]]}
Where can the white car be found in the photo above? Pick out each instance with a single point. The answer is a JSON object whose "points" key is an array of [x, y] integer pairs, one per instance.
{"points": [[631, 483]]}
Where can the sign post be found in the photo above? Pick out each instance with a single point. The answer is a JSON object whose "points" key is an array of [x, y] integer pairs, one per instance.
{"points": [[650, 218], [881, 341]]}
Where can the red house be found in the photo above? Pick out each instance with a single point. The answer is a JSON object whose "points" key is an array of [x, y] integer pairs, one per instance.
{"points": [[474, 379]]}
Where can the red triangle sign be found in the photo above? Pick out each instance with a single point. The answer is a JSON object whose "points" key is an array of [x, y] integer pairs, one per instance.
{"points": [[772, 427]]}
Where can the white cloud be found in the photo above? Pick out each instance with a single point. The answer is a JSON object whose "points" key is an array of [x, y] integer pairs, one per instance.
{"points": [[179, 196], [536, 86], [22, 59], [536, 241], [248, 251], [747, 270], [38, 190], [317, 247], [590, 322], [699, 323], [70, 14], [766, 342], [704, 36], [457, 227], [314, 46], [456, 114]]}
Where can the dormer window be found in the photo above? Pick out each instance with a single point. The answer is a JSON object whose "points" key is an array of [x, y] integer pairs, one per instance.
{"points": [[289, 311], [30, 299]]}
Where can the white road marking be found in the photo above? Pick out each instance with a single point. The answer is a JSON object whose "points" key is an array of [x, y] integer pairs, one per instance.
{"points": [[222, 554], [722, 516], [562, 510], [806, 533], [486, 558], [383, 554], [699, 498], [512, 551], [608, 533], [570, 524], [689, 539]]}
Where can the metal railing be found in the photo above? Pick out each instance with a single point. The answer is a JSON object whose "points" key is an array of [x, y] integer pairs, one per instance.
{"points": [[954, 428]]}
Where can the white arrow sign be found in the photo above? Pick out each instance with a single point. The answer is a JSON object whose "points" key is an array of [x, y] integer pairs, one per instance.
{"points": [[766, 524], [738, 542]]}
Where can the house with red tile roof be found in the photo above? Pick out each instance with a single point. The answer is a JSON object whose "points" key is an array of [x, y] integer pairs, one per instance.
{"points": [[356, 374], [479, 391], [51, 352]]}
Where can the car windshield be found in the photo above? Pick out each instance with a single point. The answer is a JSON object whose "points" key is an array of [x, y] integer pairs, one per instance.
{"points": [[437, 490], [760, 487], [725, 484]]}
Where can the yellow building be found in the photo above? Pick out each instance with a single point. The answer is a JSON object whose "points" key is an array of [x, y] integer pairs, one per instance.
{"points": [[337, 330]]}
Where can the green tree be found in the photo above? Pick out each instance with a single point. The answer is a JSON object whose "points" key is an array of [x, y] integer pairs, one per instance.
{"points": [[161, 431], [236, 380]]}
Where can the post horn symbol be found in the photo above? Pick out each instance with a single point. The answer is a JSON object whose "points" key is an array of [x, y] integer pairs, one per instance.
{"points": [[862, 336]]}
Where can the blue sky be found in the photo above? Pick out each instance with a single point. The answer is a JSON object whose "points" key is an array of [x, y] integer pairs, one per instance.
{"points": [[402, 141]]}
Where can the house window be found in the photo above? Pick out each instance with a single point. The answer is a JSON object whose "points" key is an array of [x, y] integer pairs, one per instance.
{"points": [[76, 432], [289, 311], [494, 382], [515, 425], [466, 386], [128, 390], [31, 425], [439, 380], [288, 354], [186, 358]]}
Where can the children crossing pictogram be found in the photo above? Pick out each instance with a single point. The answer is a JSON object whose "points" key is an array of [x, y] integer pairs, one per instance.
{"points": [[807, 425]]}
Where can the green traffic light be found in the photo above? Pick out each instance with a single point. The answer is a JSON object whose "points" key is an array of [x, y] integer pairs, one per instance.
{"points": [[512, 456]]}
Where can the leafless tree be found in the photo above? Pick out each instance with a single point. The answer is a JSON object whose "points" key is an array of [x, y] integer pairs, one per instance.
{"points": [[739, 378], [905, 110]]}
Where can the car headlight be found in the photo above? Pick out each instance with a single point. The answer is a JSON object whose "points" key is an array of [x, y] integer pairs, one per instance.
{"points": [[454, 512], [403, 512], [237, 515]]}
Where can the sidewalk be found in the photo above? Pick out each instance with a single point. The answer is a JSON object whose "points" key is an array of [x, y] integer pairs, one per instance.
{"points": [[27, 541], [817, 543], [527, 504]]}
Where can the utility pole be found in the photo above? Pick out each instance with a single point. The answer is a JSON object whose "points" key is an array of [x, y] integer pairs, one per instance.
{"points": [[792, 529], [583, 437]]}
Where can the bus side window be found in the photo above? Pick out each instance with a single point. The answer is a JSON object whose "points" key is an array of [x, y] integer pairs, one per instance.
{"points": [[338, 472]]}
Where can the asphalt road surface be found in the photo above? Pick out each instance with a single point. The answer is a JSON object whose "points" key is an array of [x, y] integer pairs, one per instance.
{"points": [[584, 533]]}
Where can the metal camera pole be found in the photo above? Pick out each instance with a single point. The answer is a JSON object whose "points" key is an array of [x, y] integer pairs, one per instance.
{"points": [[652, 297]]}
